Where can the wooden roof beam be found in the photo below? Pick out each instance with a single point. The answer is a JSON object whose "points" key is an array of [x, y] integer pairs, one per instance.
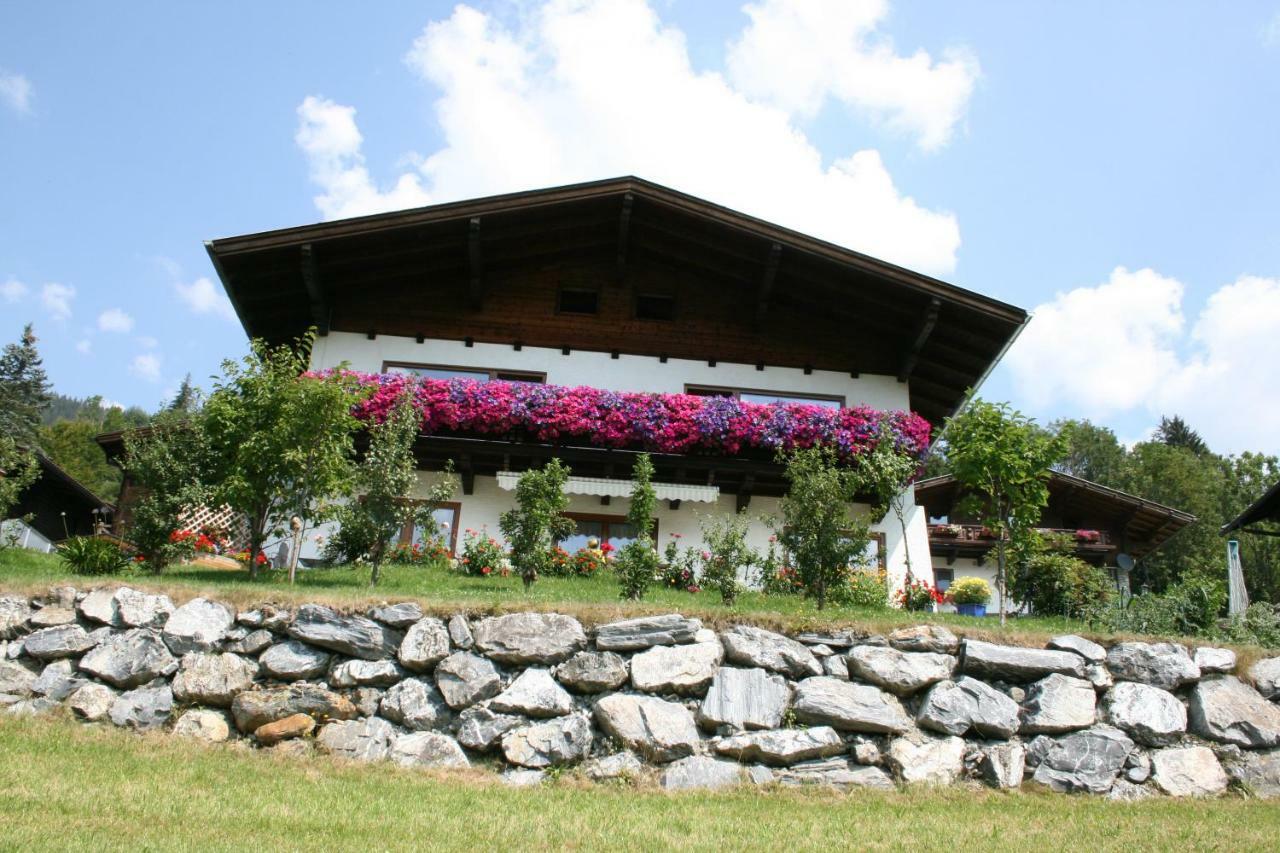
{"points": [[475, 289], [624, 234], [766, 282], [320, 309], [927, 324]]}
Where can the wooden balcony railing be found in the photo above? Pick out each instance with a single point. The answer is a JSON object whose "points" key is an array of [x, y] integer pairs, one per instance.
{"points": [[977, 534]]}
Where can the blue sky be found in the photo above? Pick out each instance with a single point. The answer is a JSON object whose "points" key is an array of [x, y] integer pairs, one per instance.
{"points": [[1111, 166]]}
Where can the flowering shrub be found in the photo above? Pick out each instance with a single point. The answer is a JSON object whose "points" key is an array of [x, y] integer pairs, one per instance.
{"points": [[918, 596], [192, 542], [727, 555], [482, 555], [969, 590], [664, 423], [676, 569], [417, 554], [243, 557], [585, 562], [865, 588]]}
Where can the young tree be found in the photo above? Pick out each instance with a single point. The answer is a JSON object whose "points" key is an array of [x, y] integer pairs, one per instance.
{"points": [[638, 562], [167, 464], [727, 553], [819, 530], [18, 469], [1002, 459], [1176, 432], [538, 522], [187, 399], [885, 473], [282, 441], [24, 390]]}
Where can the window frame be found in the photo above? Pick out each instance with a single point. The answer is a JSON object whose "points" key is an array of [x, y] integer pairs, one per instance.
{"points": [[635, 307], [697, 389], [535, 377], [882, 550], [605, 520], [573, 288], [406, 530]]}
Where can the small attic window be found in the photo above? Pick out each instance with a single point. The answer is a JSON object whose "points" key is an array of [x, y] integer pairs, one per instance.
{"points": [[576, 301], [655, 306]]}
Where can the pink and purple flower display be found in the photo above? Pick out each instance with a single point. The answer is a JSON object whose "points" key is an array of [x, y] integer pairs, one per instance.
{"points": [[660, 423]]}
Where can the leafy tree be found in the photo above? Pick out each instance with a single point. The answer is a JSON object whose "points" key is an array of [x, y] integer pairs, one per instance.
{"points": [[885, 473], [187, 399], [167, 465], [282, 441], [537, 522], [1175, 432], [637, 564], [1002, 460], [725, 540], [1092, 452], [18, 470], [1251, 474], [71, 445], [1054, 582], [24, 389], [819, 530]]}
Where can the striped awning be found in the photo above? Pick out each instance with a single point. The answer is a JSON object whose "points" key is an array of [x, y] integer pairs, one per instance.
{"points": [[601, 487]]}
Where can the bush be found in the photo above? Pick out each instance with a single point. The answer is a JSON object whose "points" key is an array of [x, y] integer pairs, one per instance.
{"points": [[482, 555], [89, 555], [637, 563], [866, 589], [432, 552], [584, 563], [726, 555], [1056, 584], [969, 590], [538, 522], [676, 570], [918, 596], [1259, 625], [1190, 607]]}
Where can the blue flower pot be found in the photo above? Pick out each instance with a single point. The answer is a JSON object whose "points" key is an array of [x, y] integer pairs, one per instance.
{"points": [[971, 609]]}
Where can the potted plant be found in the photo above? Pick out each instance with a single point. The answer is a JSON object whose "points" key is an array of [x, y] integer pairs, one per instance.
{"points": [[970, 596]]}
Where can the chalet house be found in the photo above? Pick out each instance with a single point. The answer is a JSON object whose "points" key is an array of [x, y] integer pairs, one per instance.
{"points": [[624, 286], [59, 506], [1106, 527]]}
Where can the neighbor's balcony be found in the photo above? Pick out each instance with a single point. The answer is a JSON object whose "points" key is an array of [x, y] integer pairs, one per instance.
{"points": [[976, 538]]}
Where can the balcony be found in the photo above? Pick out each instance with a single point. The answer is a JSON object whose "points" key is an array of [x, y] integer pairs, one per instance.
{"points": [[975, 540]]}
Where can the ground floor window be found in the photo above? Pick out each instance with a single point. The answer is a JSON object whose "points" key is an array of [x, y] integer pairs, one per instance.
{"points": [[613, 529], [942, 578], [444, 527]]}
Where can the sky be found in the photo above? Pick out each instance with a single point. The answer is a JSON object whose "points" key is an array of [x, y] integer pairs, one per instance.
{"points": [[1114, 168]]}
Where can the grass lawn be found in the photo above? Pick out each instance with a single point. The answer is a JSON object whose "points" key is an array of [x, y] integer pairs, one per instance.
{"points": [[70, 786]]}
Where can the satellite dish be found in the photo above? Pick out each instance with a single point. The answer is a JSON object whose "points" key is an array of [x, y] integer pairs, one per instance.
{"points": [[1125, 562]]}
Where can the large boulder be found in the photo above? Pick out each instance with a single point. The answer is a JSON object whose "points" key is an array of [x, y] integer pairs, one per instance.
{"points": [[925, 638], [631, 635], [1163, 665], [922, 759], [57, 681], [1228, 710], [748, 646], [1214, 660], [137, 609], [700, 772], [15, 679], [400, 615], [1087, 761], [826, 701], [367, 739], [427, 749], [142, 708], [534, 693], [782, 747], [252, 643], [1002, 765], [203, 724], [130, 659], [901, 673], [745, 699], [1258, 771], [1015, 663], [529, 638], [1151, 716], [365, 673], [14, 613], [198, 626], [660, 730], [560, 741], [354, 636], [685, 669], [101, 606], [836, 772], [92, 701], [1087, 649], [254, 708], [425, 644], [60, 641], [293, 661], [1057, 704], [1265, 675], [293, 726], [460, 631], [966, 704], [593, 672], [465, 678], [479, 728], [213, 679], [416, 704], [1191, 771], [47, 617], [619, 765]]}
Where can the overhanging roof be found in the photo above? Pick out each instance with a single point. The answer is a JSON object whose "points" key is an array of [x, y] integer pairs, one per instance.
{"points": [[1265, 508], [815, 304]]}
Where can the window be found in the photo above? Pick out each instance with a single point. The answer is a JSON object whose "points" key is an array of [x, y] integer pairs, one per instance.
{"points": [[749, 395], [479, 374], [942, 578], [873, 558], [607, 528], [655, 306], [445, 518], [575, 301]]}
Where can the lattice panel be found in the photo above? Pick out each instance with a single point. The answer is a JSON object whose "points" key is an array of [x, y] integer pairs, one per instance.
{"points": [[223, 518]]}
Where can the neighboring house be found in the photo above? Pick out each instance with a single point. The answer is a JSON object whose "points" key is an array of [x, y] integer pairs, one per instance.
{"points": [[626, 286], [1107, 527], [59, 505], [1265, 508]]}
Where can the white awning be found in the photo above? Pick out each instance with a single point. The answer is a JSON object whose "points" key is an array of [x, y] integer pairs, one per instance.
{"points": [[601, 487]]}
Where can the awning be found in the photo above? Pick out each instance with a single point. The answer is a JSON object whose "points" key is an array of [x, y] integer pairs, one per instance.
{"points": [[602, 487]]}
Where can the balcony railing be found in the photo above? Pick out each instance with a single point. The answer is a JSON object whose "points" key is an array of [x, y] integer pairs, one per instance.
{"points": [[977, 534]]}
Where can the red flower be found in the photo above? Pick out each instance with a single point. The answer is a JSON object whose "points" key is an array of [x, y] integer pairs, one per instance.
{"points": [[606, 547]]}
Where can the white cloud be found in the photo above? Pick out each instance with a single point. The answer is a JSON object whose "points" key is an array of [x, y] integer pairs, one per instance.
{"points": [[1271, 31], [16, 92], [584, 89], [115, 320], [204, 297], [146, 366], [796, 54], [84, 346], [1121, 347], [13, 290], [56, 299]]}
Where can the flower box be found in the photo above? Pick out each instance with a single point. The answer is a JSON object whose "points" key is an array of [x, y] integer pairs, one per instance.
{"points": [[971, 609]]}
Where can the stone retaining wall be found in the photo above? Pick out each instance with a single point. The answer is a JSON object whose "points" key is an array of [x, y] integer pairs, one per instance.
{"points": [[658, 695]]}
